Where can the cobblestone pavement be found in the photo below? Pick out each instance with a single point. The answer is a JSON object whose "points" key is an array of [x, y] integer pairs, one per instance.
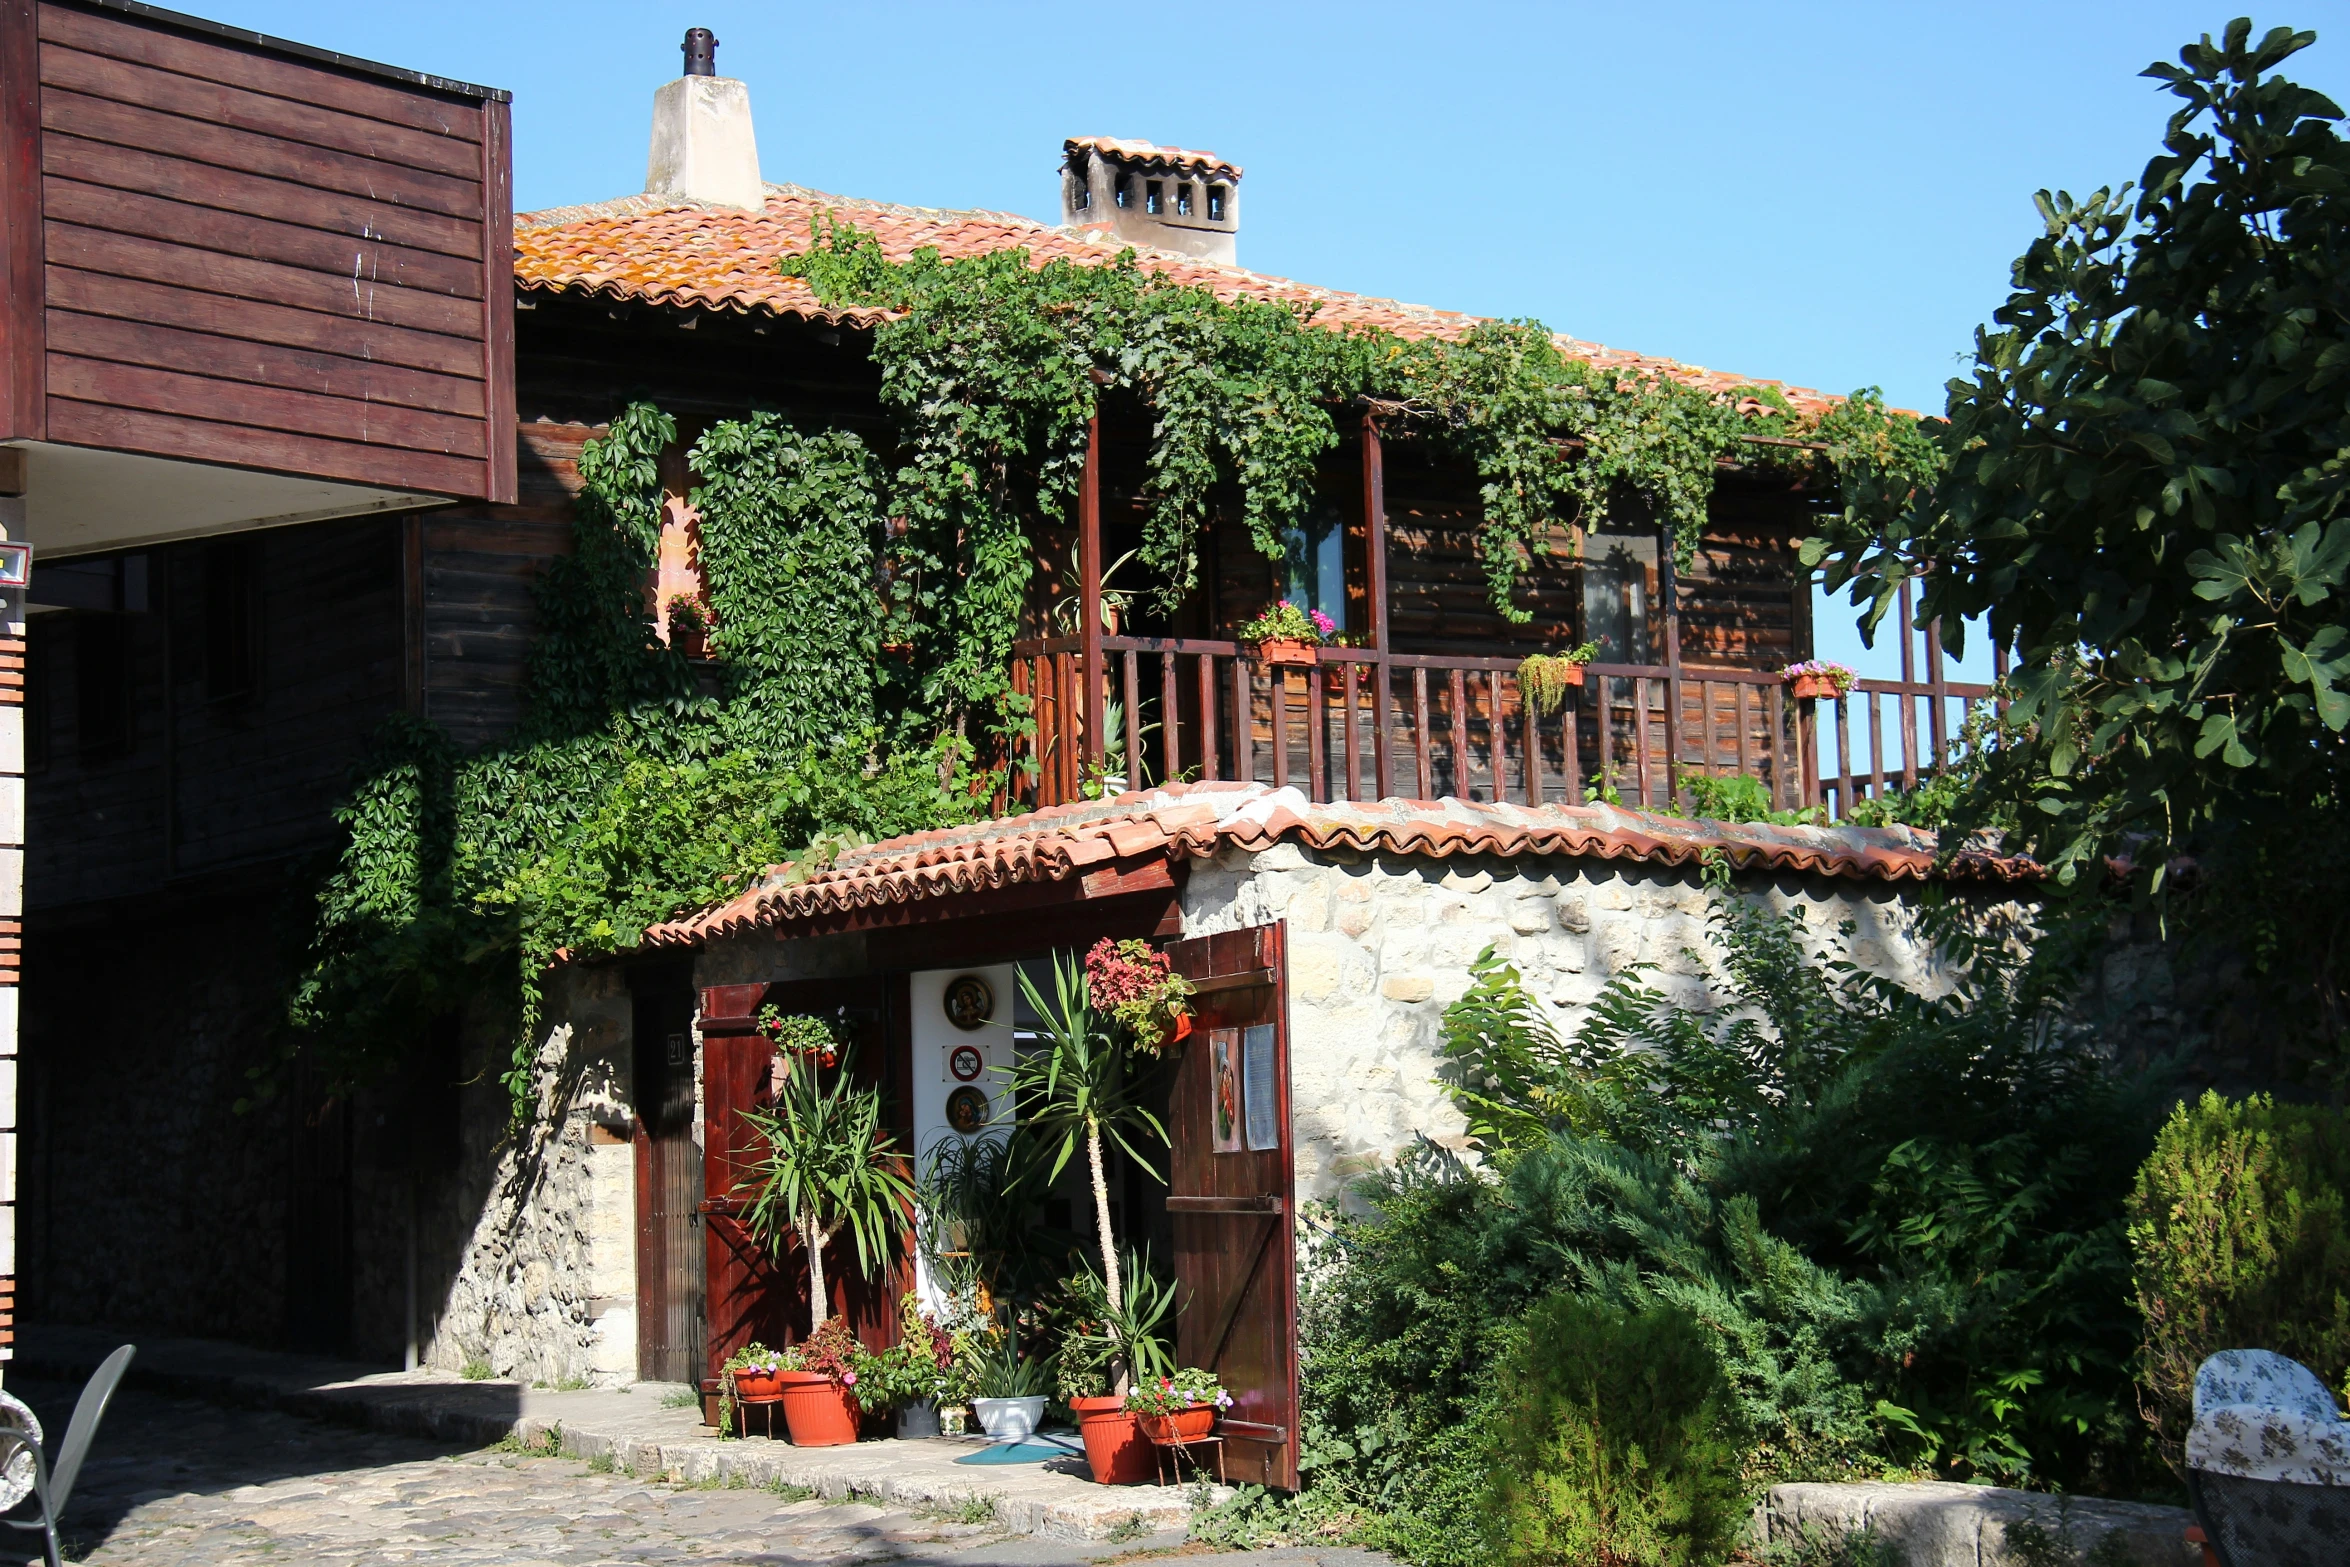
{"points": [[191, 1484]]}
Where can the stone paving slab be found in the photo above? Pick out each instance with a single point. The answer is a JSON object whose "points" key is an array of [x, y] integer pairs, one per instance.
{"points": [[635, 1430]]}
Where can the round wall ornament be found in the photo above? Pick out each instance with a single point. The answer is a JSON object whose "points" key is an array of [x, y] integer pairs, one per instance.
{"points": [[966, 1062], [970, 1002], [967, 1110]]}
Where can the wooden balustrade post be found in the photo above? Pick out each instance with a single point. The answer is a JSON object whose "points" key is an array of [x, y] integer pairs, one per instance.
{"points": [[1244, 724], [1089, 591], [1132, 684], [1938, 720], [1775, 703], [1354, 747], [1456, 695], [1669, 584], [1317, 738], [1209, 740], [1843, 759], [1277, 687], [1170, 714], [1640, 760], [1422, 741], [1570, 743]]}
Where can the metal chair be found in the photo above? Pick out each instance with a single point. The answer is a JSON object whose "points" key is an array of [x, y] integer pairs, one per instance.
{"points": [[52, 1487], [2268, 1463]]}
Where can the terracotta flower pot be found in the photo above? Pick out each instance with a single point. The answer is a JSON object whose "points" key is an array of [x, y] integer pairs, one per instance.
{"points": [[690, 641], [757, 1387], [1285, 653], [1114, 1444], [1182, 1426], [1812, 686], [1572, 675], [818, 1411]]}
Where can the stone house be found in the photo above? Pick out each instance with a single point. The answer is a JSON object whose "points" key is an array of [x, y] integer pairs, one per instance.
{"points": [[1359, 923]]}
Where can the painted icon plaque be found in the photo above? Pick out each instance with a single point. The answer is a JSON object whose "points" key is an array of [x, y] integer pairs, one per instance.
{"points": [[970, 1002]]}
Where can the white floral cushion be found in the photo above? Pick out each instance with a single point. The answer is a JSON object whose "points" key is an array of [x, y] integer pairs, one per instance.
{"points": [[2260, 1416]]}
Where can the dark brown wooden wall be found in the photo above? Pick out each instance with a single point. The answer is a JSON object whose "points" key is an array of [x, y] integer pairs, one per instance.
{"points": [[203, 785], [261, 259]]}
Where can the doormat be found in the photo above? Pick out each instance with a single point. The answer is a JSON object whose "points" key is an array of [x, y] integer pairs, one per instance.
{"points": [[1034, 1450]]}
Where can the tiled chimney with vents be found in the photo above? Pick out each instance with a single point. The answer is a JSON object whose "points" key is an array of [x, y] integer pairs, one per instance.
{"points": [[703, 148], [1169, 198]]}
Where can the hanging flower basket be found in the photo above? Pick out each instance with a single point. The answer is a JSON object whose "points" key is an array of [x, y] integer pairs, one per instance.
{"points": [[1817, 678], [1137, 985], [1285, 636]]}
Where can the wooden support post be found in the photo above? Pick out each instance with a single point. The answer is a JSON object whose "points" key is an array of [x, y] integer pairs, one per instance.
{"points": [[1938, 721], [1090, 710], [1375, 574], [1209, 742], [1455, 686], [1670, 581]]}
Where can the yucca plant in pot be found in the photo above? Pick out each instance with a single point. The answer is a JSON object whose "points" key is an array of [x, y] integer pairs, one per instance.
{"points": [[1106, 1351], [829, 1167], [1079, 1088]]}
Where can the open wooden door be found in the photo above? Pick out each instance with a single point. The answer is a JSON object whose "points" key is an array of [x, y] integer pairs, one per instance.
{"points": [[751, 1297], [1231, 1199]]}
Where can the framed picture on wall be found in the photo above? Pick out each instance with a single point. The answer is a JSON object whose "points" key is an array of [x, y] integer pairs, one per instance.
{"points": [[1224, 1100]]}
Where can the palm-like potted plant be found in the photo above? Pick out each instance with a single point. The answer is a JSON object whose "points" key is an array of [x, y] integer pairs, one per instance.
{"points": [[1075, 1091], [829, 1166]]}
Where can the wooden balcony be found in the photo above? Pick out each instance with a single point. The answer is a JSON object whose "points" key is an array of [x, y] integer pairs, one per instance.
{"points": [[1367, 725]]}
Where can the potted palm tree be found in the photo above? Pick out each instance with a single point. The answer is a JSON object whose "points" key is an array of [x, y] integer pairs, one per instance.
{"points": [[829, 1167], [1076, 1090]]}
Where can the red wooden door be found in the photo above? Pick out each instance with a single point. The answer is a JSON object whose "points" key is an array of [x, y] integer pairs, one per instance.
{"points": [[751, 1296], [1231, 1197]]}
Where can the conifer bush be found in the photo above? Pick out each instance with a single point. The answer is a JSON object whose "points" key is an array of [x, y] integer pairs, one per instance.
{"points": [[1612, 1446], [2240, 1241]]}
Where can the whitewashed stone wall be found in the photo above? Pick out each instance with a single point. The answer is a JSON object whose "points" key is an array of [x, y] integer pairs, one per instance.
{"points": [[545, 1285], [1379, 945]]}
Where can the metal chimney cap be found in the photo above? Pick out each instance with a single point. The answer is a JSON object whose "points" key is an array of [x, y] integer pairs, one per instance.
{"points": [[701, 52]]}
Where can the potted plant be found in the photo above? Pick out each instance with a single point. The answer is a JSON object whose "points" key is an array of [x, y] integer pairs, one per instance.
{"points": [[1179, 1407], [1817, 678], [753, 1374], [1108, 1348], [1008, 1391], [689, 626], [1142, 992], [1286, 635], [829, 1166], [1544, 679], [798, 1035]]}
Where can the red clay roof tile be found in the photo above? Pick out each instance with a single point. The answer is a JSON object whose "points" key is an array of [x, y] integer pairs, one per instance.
{"points": [[1198, 819], [664, 250]]}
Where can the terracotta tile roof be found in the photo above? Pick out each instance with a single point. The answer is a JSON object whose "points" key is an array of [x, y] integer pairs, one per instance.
{"points": [[1144, 152], [1188, 819], [664, 250]]}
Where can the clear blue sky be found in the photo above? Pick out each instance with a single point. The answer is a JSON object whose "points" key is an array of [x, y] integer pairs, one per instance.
{"points": [[1822, 194]]}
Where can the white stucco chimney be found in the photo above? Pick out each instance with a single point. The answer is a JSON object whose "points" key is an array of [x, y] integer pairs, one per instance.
{"points": [[703, 148]]}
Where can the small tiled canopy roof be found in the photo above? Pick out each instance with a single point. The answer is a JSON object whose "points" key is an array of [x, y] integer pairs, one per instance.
{"points": [[1179, 820], [665, 250], [1152, 156]]}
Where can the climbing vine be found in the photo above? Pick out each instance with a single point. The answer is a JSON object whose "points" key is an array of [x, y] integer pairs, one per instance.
{"points": [[857, 655]]}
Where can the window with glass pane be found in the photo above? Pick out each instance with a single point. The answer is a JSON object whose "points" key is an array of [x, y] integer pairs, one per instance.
{"points": [[1314, 563], [1617, 571]]}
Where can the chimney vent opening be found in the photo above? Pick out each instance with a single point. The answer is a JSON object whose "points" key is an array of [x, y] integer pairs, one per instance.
{"points": [[701, 52], [1154, 197], [1183, 200], [1215, 203], [1125, 190]]}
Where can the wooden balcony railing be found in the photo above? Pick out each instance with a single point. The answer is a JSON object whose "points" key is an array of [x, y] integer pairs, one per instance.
{"points": [[1364, 725]]}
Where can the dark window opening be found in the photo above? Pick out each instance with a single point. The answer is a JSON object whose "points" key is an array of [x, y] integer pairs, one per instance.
{"points": [[102, 684], [1125, 190], [1183, 201], [232, 620], [1154, 197], [1084, 194], [1215, 203]]}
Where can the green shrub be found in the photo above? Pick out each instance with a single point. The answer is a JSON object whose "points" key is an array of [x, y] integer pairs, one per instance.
{"points": [[1612, 1445], [2238, 1232]]}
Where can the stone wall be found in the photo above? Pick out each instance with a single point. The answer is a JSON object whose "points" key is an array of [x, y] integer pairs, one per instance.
{"points": [[1379, 945]]}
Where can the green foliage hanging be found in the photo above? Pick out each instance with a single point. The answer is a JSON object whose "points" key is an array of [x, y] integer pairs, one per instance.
{"points": [[997, 363], [628, 796]]}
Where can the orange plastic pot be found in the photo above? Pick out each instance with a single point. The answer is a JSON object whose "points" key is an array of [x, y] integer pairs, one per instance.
{"points": [[1115, 1448], [1813, 686], [817, 1411], [756, 1387], [1184, 1425]]}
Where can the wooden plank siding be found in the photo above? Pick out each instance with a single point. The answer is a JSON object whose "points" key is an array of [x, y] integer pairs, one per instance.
{"points": [[254, 255]]}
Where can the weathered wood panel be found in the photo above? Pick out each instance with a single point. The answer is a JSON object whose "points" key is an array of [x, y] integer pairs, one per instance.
{"points": [[198, 180]]}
